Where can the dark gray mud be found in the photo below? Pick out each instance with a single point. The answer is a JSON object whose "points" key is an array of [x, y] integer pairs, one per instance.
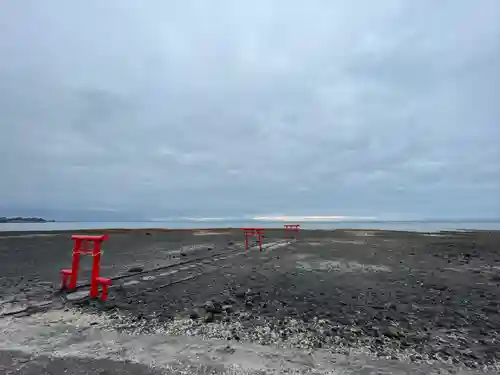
{"points": [[395, 294], [30, 261]]}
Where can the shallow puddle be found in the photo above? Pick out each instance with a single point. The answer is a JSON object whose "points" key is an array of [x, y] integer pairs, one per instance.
{"points": [[352, 242], [315, 243], [301, 256]]}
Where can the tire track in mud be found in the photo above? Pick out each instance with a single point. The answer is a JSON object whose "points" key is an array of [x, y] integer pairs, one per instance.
{"points": [[182, 272], [168, 266]]}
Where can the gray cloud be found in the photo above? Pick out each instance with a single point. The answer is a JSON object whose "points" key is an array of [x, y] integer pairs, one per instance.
{"points": [[385, 109]]}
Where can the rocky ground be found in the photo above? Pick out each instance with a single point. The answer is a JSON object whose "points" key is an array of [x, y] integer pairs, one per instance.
{"points": [[398, 296]]}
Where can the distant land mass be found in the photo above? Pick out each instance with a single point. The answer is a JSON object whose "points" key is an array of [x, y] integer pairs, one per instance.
{"points": [[21, 219]]}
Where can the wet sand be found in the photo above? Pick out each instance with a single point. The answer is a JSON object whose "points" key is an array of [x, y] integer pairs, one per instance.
{"points": [[408, 301]]}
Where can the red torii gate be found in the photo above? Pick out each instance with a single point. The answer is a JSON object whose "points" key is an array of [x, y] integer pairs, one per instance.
{"points": [[82, 243], [253, 232], [292, 228]]}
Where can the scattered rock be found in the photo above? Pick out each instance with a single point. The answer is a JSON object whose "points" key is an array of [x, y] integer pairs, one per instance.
{"points": [[209, 317], [77, 295], [42, 304], [135, 269], [393, 332], [240, 293], [131, 282], [244, 315], [213, 307], [227, 349], [12, 309], [495, 278], [228, 300]]}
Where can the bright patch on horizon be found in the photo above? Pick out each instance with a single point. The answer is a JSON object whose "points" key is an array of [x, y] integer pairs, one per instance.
{"points": [[311, 218]]}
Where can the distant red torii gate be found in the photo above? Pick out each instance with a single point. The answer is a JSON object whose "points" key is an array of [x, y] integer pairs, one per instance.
{"points": [[292, 228], [253, 232]]}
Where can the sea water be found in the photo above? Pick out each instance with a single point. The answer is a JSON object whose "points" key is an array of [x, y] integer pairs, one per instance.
{"points": [[419, 226]]}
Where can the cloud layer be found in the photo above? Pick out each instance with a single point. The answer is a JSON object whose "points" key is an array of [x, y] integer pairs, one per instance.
{"points": [[385, 109]]}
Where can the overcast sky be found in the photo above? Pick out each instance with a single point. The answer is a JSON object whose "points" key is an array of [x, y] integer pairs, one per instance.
{"points": [[387, 109]]}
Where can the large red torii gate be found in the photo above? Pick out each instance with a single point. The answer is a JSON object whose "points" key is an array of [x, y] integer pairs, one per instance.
{"points": [[82, 247]]}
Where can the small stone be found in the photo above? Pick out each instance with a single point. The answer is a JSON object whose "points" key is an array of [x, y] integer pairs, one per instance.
{"points": [[355, 330], [209, 317], [251, 292], [135, 269], [131, 282], [382, 354], [228, 349], [495, 278], [11, 309], [241, 293], [244, 315], [213, 307], [393, 332], [42, 304], [194, 315], [77, 295], [183, 254], [228, 309], [446, 351], [415, 357], [229, 301]]}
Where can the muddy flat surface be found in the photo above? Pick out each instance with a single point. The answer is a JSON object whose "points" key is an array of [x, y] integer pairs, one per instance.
{"points": [[30, 262], [396, 296]]}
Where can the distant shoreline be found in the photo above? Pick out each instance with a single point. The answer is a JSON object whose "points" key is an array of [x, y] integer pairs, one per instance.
{"points": [[151, 231], [56, 226], [24, 220]]}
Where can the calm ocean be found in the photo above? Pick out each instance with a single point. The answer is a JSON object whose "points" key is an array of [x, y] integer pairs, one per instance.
{"points": [[419, 226]]}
